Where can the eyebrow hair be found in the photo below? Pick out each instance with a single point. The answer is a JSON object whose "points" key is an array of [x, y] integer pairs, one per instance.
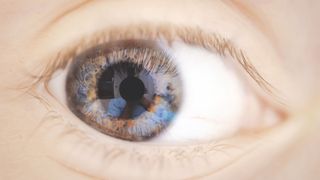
{"points": [[153, 32]]}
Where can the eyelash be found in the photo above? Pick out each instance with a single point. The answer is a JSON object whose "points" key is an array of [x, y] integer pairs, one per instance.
{"points": [[166, 32], [79, 139]]}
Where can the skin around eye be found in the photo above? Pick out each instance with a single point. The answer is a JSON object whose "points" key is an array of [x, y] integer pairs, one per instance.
{"points": [[41, 139]]}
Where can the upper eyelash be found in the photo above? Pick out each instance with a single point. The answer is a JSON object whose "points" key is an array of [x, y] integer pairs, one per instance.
{"points": [[170, 33], [141, 52]]}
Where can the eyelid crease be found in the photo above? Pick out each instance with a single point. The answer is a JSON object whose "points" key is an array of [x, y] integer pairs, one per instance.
{"points": [[192, 36], [67, 9]]}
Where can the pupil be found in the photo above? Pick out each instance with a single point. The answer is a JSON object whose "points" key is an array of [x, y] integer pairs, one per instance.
{"points": [[132, 89], [125, 80]]}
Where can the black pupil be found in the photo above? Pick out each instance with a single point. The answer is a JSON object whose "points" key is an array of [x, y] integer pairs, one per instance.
{"points": [[132, 89]]}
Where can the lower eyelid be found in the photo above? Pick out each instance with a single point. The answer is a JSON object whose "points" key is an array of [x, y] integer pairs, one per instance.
{"points": [[78, 149]]}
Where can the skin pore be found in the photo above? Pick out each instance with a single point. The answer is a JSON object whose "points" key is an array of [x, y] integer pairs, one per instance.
{"points": [[279, 37]]}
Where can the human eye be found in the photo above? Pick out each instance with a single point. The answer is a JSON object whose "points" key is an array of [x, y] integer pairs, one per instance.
{"points": [[217, 102], [95, 81]]}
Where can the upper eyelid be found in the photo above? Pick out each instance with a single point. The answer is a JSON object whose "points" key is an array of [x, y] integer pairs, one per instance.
{"points": [[192, 36]]}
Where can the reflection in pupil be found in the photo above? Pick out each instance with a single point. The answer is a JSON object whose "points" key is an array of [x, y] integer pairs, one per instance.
{"points": [[125, 90], [105, 88]]}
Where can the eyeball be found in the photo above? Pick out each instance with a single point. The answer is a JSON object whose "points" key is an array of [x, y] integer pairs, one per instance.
{"points": [[141, 90]]}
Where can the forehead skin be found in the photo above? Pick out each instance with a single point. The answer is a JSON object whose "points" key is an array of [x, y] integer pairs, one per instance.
{"points": [[284, 31]]}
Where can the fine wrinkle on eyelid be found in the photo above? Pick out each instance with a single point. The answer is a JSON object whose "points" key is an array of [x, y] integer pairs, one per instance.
{"points": [[71, 168], [168, 32], [64, 12]]}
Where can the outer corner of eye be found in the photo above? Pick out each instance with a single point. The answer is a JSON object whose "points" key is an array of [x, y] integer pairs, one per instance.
{"points": [[169, 94]]}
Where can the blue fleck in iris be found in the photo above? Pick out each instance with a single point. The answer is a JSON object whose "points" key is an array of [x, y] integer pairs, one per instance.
{"points": [[127, 89]]}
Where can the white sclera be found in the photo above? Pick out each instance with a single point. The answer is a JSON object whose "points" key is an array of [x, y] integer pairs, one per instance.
{"points": [[214, 97]]}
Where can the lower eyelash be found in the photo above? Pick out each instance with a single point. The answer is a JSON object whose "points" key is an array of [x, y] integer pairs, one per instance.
{"points": [[80, 150]]}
